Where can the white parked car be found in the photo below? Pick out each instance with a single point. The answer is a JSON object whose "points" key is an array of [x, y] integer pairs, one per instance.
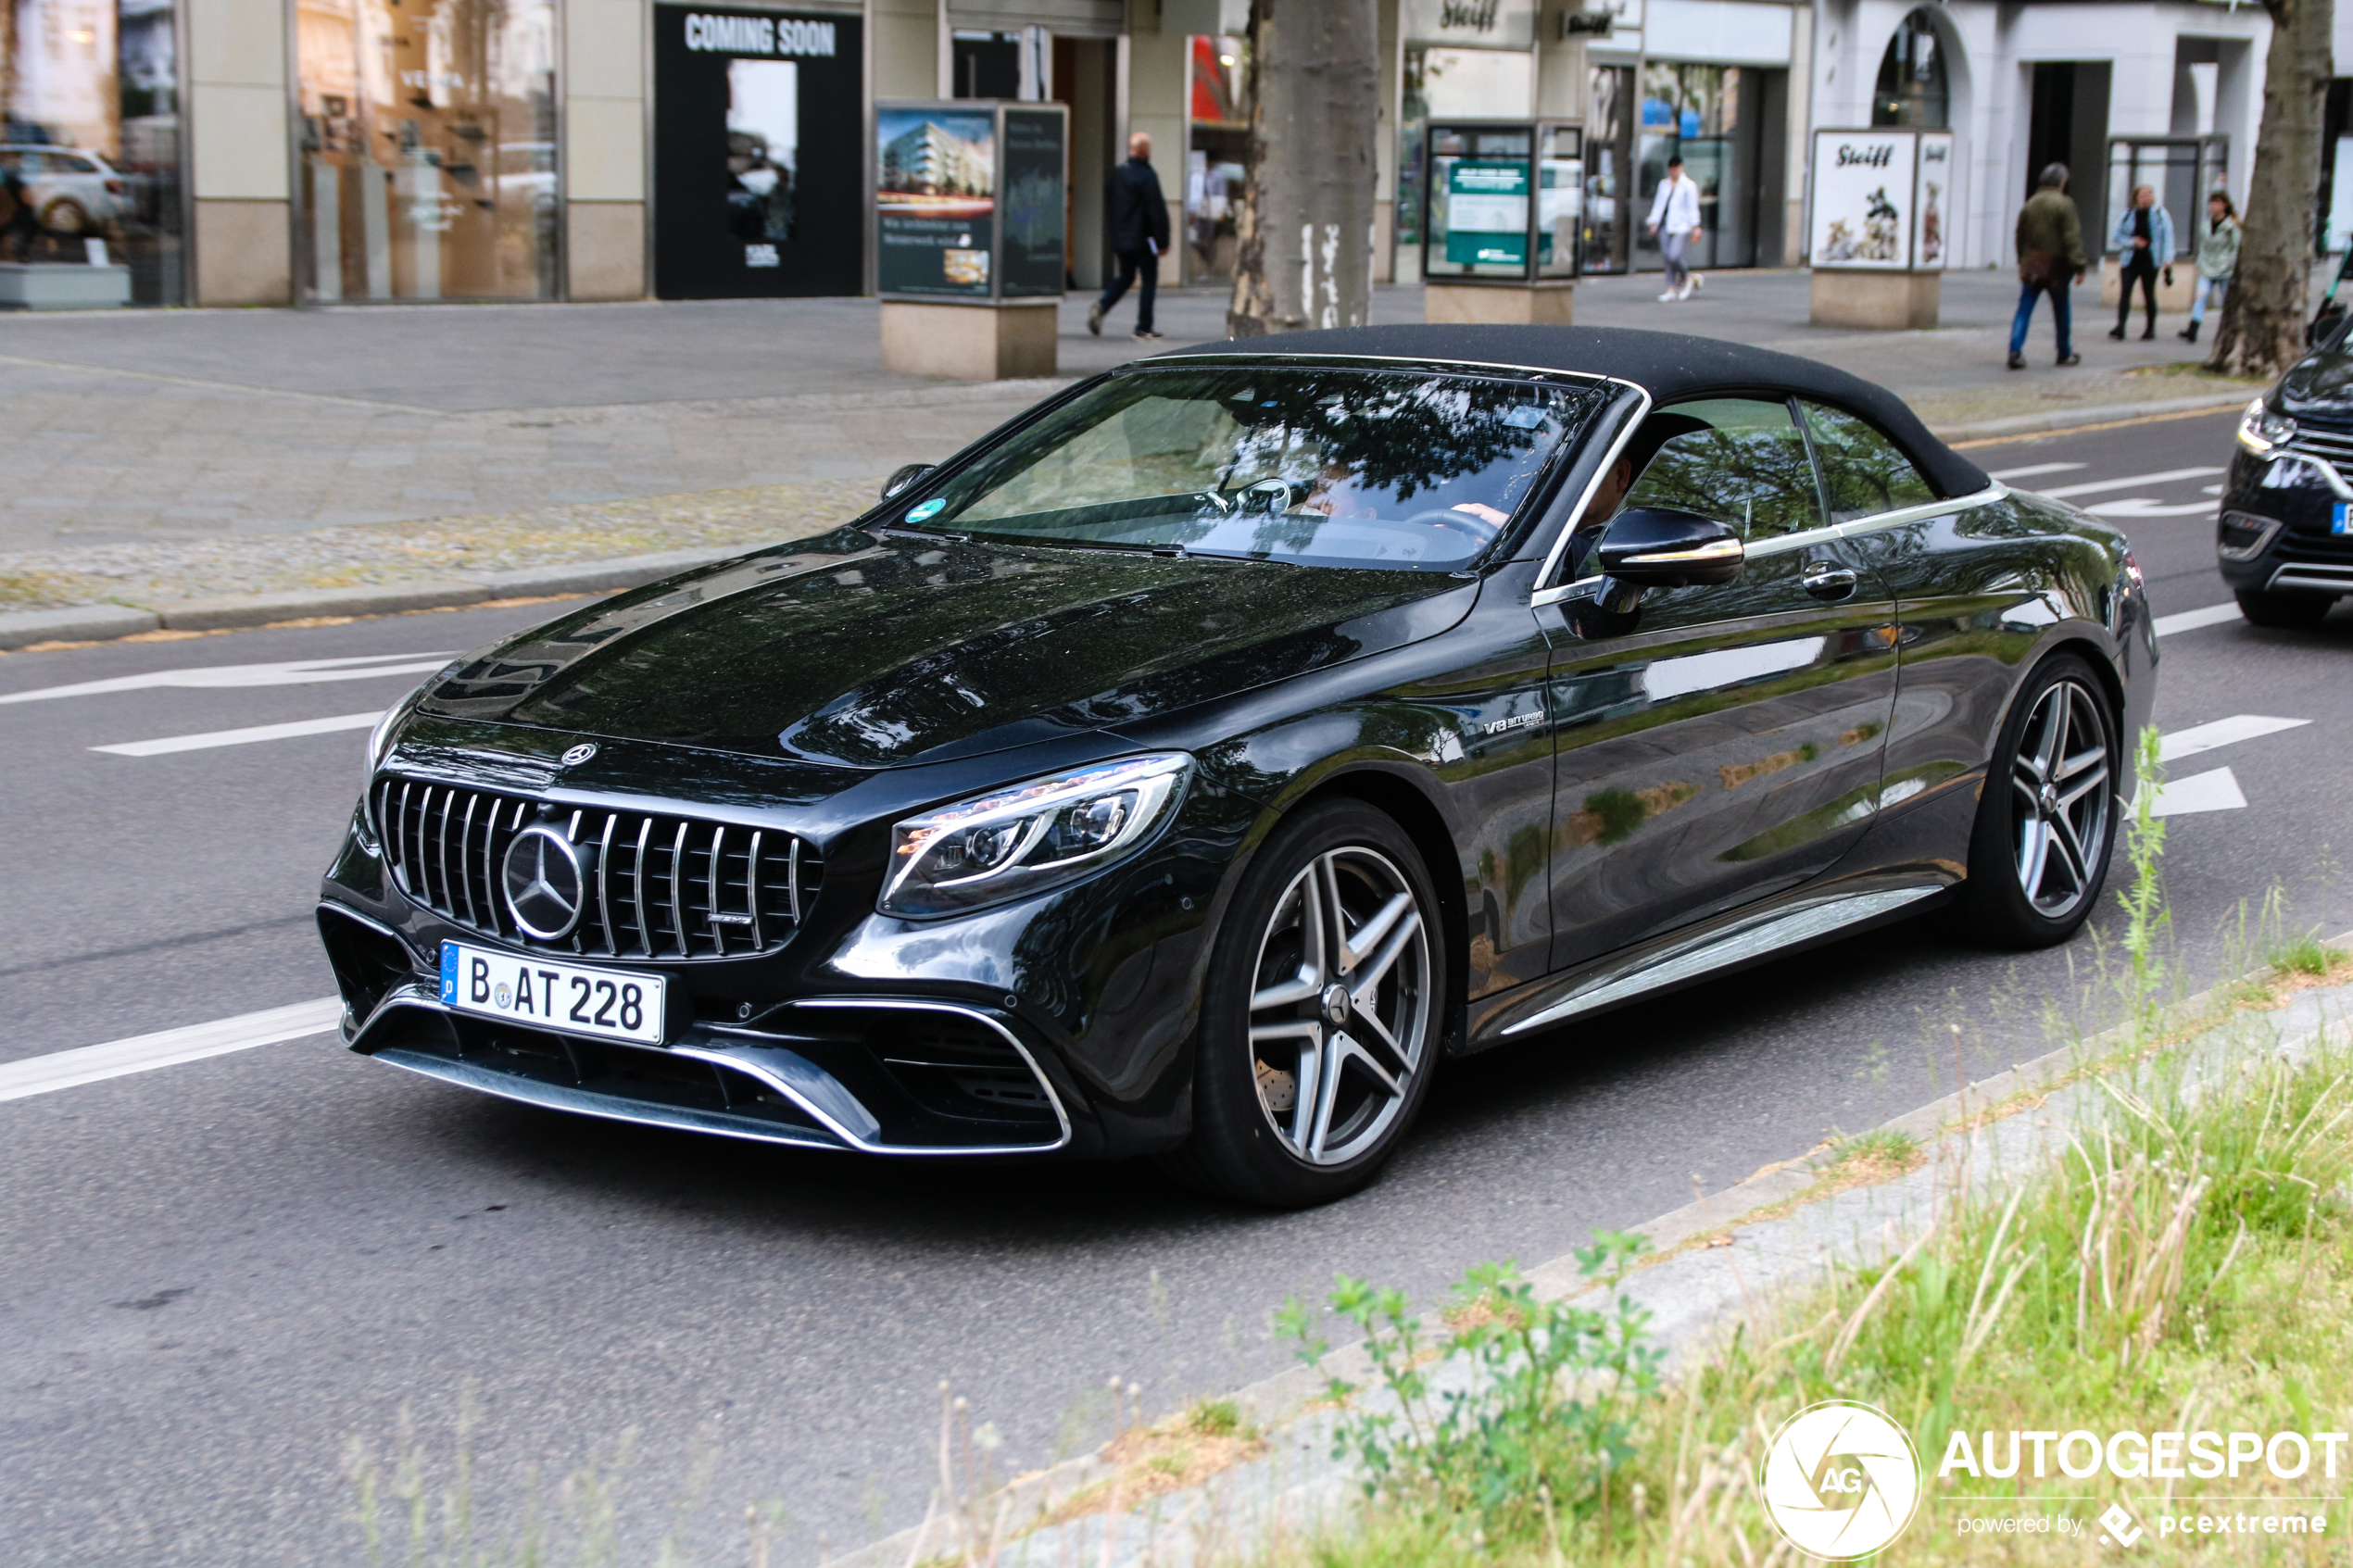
{"points": [[72, 192]]}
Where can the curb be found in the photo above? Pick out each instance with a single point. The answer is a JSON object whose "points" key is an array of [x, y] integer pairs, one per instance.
{"points": [[106, 623], [2070, 419]]}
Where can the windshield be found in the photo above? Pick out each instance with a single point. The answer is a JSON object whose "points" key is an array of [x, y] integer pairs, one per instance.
{"points": [[1315, 464]]}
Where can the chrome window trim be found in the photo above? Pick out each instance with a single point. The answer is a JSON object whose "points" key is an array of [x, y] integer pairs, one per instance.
{"points": [[1994, 491], [1781, 543]]}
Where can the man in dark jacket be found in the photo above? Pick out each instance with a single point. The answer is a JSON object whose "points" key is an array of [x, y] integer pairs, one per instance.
{"points": [[2050, 258], [1139, 221]]}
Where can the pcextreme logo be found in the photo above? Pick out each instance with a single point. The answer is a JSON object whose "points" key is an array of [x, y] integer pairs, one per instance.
{"points": [[1840, 1480], [2119, 1527]]}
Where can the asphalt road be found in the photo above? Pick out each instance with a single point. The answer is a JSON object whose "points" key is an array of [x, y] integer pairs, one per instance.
{"points": [[213, 1275]]}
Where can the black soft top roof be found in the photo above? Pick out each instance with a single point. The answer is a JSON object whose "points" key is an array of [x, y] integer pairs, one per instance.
{"points": [[1669, 366]]}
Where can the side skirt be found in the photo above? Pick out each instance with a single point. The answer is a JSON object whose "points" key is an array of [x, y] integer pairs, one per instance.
{"points": [[1749, 936]]}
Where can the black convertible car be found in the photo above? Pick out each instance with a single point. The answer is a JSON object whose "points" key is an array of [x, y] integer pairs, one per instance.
{"points": [[1187, 766]]}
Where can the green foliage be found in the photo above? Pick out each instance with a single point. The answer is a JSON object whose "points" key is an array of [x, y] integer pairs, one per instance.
{"points": [[1520, 1413], [1214, 1418], [2146, 915]]}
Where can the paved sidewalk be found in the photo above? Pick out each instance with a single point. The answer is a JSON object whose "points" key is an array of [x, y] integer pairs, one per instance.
{"points": [[168, 454]]}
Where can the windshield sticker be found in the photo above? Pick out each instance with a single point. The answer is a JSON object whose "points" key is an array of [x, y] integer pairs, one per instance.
{"points": [[929, 508]]}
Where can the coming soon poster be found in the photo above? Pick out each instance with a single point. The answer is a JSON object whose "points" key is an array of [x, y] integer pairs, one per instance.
{"points": [[756, 153]]}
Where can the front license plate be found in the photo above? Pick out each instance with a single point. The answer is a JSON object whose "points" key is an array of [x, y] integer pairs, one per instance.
{"points": [[2341, 519], [569, 997]]}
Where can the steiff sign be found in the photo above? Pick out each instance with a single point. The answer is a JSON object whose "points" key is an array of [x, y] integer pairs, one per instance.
{"points": [[1471, 24]]}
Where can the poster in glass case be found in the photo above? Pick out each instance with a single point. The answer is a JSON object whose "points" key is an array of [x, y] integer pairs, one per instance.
{"points": [[935, 200], [1035, 221], [1864, 195]]}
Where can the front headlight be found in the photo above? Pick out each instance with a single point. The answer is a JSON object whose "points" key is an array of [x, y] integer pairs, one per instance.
{"points": [[2261, 429], [1021, 840]]}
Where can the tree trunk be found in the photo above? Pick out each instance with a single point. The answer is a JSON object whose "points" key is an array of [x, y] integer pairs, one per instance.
{"points": [[2265, 311], [1304, 254]]}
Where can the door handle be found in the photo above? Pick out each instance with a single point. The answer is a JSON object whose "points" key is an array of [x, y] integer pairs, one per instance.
{"points": [[1826, 580]]}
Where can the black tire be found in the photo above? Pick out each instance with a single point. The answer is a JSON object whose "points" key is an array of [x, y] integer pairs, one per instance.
{"points": [[2292, 612], [2023, 893], [1252, 1139]]}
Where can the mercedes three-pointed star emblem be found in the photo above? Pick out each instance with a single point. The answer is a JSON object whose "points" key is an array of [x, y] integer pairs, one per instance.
{"points": [[546, 885]]}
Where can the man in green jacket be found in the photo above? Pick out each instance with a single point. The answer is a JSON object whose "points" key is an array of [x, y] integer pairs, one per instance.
{"points": [[2050, 256]]}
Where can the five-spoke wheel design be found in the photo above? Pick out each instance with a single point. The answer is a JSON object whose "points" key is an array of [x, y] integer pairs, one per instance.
{"points": [[1340, 1010], [2060, 781]]}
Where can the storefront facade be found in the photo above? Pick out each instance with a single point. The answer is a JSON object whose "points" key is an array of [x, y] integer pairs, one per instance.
{"points": [[2167, 95], [253, 152]]}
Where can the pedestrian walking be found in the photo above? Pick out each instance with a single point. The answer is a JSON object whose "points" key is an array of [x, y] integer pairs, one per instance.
{"points": [[1138, 233], [1675, 219], [2050, 261], [2143, 240], [2218, 258]]}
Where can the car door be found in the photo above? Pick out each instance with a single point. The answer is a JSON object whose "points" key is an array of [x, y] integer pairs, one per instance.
{"points": [[1722, 743]]}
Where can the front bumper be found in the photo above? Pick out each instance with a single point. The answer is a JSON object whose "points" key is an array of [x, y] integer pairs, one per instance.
{"points": [[2274, 533], [1062, 1025]]}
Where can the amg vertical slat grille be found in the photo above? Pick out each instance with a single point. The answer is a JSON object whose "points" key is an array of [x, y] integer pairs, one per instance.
{"points": [[656, 886]]}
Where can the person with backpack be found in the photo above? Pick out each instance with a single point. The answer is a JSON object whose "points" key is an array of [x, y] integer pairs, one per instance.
{"points": [[2050, 258]]}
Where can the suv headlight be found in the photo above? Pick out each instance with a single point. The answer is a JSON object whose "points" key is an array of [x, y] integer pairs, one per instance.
{"points": [[1024, 839], [2261, 429]]}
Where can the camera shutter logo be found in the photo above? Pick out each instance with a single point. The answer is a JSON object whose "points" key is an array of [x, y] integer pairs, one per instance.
{"points": [[1840, 1480], [546, 887]]}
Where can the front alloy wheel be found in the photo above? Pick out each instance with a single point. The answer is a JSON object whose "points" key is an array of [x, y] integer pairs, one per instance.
{"points": [[1321, 1020], [1339, 1017]]}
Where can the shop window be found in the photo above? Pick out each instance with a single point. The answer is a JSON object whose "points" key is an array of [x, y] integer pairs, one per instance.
{"points": [[90, 164], [1911, 90], [1703, 114], [1215, 157], [429, 155]]}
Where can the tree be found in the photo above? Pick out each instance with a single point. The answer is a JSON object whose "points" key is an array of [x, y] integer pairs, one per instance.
{"points": [[1305, 232], [2264, 314]]}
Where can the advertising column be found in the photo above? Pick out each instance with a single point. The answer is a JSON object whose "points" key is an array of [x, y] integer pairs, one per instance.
{"points": [[969, 235], [1876, 235], [757, 164]]}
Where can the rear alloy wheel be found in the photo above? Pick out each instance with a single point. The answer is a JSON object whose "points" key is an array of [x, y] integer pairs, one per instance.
{"points": [[2287, 611], [2046, 822], [1322, 1020]]}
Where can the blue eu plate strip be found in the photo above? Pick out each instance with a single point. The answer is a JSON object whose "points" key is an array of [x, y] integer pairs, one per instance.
{"points": [[449, 973]]}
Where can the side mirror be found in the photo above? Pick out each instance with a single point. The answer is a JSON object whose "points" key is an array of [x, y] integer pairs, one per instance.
{"points": [[1658, 548], [2326, 327], [904, 479]]}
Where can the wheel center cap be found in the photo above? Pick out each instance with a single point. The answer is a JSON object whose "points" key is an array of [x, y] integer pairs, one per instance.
{"points": [[1336, 1004], [2049, 801]]}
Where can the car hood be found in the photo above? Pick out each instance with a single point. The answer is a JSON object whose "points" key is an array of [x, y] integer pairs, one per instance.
{"points": [[2319, 385], [871, 650]]}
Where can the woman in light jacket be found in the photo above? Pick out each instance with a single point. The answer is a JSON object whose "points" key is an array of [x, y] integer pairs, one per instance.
{"points": [[2218, 258]]}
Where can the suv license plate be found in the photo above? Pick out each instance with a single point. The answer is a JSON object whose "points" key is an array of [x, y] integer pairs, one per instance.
{"points": [[548, 993]]}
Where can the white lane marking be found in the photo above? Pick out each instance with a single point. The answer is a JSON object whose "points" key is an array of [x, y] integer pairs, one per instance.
{"points": [[2168, 477], [2148, 506], [293, 672], [2190, 620], [2030, 470], [140, 1053], [2209, 490], [2217, 791], [243, 737], [2222, 732]]}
